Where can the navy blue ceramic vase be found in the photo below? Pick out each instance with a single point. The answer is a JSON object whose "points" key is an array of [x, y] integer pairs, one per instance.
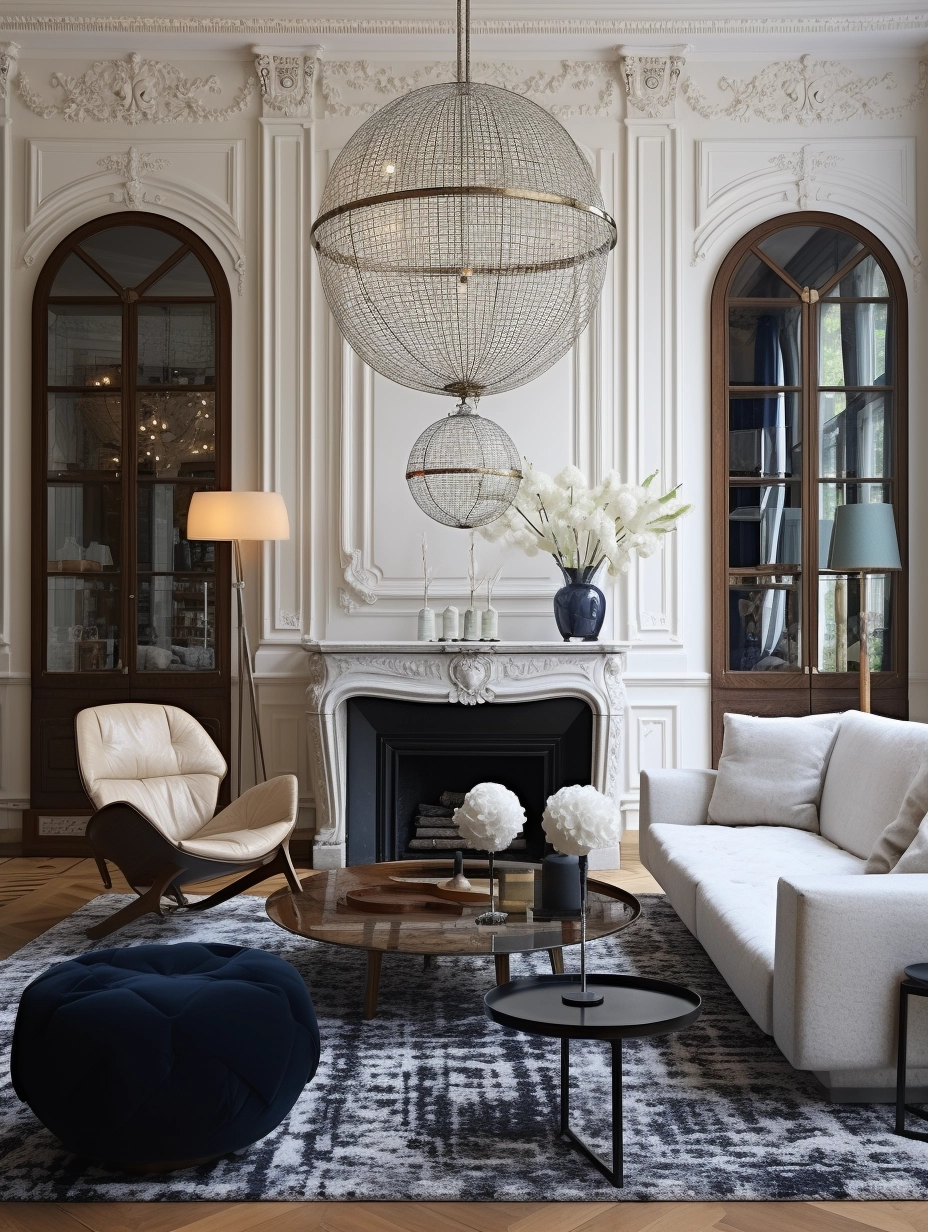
{"points": [[579, 606]]}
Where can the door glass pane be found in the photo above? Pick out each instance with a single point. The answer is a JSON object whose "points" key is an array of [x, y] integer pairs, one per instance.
{"points": [[176, 344], [77, 278], [162, 528], [756, 280], [764, 526], [764, 346], [177, 435], [810, 255], [764, 624], [83, 625], [852, 349], [84, 525], [176, 625], [187, 277], [764, 435], [839, 605], [84, 432], [831, 495], [84, 344], [855, 431], [865, 280], [130, 254]]}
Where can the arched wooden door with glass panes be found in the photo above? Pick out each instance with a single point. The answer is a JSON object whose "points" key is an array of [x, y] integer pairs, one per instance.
{"points": [[809, 412], [131, 342]]}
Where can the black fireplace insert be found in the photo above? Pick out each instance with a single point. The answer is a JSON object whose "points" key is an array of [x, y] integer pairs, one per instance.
{"points": [[406, 755]]}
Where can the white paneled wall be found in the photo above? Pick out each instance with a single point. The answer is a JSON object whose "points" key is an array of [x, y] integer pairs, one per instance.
{"points": [[686, 165]]}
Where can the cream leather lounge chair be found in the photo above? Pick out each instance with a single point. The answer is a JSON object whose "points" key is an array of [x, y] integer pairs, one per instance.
{"points": [[153, 775]]}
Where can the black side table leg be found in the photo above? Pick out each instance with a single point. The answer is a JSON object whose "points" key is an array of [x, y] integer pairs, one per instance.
{"points": [[901, 1059], [905, 991], [613, 1175]]}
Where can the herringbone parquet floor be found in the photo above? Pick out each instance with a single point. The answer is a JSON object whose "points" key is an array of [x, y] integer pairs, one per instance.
{"points": [[35, 894]]}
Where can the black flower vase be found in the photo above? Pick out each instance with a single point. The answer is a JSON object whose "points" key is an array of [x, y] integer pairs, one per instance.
{"points": [[579, 606]]}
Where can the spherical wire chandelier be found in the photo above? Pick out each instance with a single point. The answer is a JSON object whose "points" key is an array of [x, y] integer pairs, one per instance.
{"points": [[462, 239]]}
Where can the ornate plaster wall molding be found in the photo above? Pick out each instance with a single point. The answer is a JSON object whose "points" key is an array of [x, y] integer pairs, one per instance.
{"points": [[456, 675], [136, 91], [250, 27], [360, 582], [199, 182], [359, 87], [9, 53], [133, 167], [285, 80], [741, 182], [651, 78], [807, 91]]}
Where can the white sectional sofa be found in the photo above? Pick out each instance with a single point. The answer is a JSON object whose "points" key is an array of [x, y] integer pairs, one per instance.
{"points": [[813, 948]]}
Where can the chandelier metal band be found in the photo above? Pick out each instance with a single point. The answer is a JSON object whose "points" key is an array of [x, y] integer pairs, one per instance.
{"points": [[464, 470], [465, 190]]}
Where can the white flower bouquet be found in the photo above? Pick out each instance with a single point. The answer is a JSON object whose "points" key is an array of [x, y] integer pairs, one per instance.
{"points": [[585, 527]]}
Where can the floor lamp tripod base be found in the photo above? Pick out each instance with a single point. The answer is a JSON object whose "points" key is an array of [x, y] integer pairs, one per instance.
{"points": [[246, 680], [864, 682]]}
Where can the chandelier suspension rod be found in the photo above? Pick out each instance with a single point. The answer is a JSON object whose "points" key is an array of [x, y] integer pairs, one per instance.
{"points": [[463, 73]]}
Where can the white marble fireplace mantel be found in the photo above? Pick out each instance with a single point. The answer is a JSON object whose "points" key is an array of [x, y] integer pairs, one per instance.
{"points": [[459, 673]]}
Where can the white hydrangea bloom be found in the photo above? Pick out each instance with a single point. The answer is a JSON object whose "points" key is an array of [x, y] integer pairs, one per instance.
{"points": [[490, 817], [578, 820]]}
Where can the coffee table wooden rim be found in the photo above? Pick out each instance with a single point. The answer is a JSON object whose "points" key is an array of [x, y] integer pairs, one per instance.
{"points": [[436, 867]]}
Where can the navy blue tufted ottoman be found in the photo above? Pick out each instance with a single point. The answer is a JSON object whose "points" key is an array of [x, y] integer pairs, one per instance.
{"points": [[160, 1056]]}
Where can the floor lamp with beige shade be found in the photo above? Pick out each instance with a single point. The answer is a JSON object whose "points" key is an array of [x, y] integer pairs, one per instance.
{"points": [[864, 541], [231, 517]]}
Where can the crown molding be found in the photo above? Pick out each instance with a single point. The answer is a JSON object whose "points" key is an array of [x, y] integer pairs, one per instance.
{"points": [[251, 27]]}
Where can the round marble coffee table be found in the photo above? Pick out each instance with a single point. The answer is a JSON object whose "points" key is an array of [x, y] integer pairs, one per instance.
{"points": [[321, 913]]}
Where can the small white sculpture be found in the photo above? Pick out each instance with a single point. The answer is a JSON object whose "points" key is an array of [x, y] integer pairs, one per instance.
{"points": [[578, 820], [489, 819]]}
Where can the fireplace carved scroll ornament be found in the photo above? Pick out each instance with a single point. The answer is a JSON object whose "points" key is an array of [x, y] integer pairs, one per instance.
{"points": [[455, 675]]}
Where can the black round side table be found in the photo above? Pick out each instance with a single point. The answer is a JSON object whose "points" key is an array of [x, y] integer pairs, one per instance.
{"points": [[915, 984], [632, 1007]]}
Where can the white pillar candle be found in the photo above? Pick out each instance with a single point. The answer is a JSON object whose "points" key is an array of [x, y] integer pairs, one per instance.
{"points": [[449, 624], [426, 631], [490, 625], [471, 625]]}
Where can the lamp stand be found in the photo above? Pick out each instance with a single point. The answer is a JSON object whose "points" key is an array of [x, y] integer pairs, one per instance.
{"points": [[864, 672], [245, 673]]}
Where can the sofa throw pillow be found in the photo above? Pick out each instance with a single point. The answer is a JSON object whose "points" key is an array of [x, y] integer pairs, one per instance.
{"points": [[771, 771], [915, 857], [900, 835]]}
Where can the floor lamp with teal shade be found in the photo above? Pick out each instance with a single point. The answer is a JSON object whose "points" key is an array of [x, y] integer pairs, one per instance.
{"points": [[864, 541], [231, 517]]}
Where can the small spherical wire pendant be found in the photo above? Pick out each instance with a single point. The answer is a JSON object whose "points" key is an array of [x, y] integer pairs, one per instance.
{"points": [[464, 471]]}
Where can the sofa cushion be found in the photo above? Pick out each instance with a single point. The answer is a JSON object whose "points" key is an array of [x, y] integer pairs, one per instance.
{"points": [[683, 858], [870, 771], [771, 771], [896, 839]]}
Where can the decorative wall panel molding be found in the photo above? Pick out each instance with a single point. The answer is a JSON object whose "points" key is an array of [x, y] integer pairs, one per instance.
{"points": [[199, 182], [286, 81], [653, 613], [358, 87], [8, 65], [651, 79], [136, 91], [459, 675], [808, 91], [738, 183], [250, 27], [285, 213]]}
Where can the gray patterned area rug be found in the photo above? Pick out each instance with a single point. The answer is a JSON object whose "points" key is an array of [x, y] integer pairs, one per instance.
{"points": [[431, 1101]]}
